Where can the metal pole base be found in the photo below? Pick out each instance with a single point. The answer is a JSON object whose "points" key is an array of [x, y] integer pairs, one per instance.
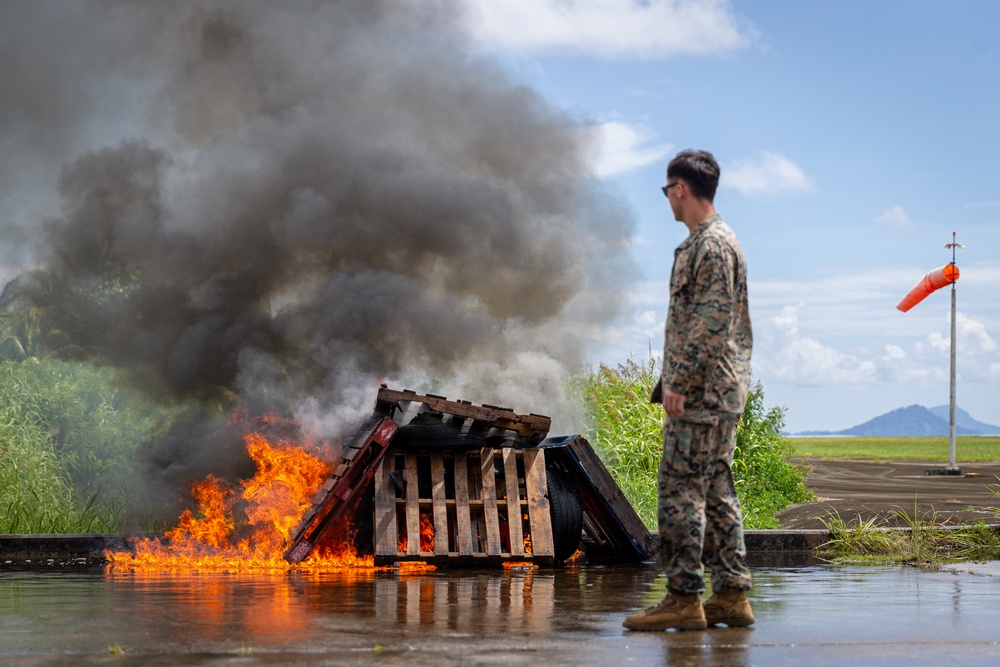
{"points": [[944, 471]]}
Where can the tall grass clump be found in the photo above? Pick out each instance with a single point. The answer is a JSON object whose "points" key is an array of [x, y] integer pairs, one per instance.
{"points": [[925, 542], [69, 432], [627, 429]]}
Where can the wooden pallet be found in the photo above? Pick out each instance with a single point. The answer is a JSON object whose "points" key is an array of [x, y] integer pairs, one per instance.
{"points": [[339, 493], [463, 498], [612, 528], [484, 419]]}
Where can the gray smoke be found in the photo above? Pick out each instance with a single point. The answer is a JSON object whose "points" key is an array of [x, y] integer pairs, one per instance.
{"points": [[295, 201]]}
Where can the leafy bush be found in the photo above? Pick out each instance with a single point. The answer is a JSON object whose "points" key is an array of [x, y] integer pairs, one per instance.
{"points": [[627, 430], [68, 436], [765, 480]]}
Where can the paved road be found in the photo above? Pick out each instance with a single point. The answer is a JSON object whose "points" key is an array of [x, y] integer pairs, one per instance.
{"points": [[867, 489]]}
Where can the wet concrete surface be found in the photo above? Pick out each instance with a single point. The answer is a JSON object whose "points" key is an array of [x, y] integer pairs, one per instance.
{"points": [[817, 615]]}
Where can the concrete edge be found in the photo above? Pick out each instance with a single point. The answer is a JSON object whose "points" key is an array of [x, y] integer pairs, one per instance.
{"points": [[764, 547], [16, 549]]}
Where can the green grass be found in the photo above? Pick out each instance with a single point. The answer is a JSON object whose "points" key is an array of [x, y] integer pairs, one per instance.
{"points": [[968, 449], [627, 431], [69, 432]]}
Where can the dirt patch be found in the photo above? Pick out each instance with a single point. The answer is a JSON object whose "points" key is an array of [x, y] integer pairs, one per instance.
{"points": [[866, 489]]}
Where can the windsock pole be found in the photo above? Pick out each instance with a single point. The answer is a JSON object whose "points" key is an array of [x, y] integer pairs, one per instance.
{"points": [[952, 465], [933, 281]]}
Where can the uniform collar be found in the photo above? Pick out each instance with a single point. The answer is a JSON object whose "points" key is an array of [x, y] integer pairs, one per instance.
{"points": [[701, 227]]}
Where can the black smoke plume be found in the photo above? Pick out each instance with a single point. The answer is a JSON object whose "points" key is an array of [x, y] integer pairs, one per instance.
{"points": [[284, 203]]}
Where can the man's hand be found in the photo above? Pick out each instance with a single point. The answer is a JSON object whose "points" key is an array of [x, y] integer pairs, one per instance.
{"points": [[673, 403]]}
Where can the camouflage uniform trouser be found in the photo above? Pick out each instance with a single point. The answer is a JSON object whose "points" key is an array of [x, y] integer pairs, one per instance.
{"points": [[699, 515]]}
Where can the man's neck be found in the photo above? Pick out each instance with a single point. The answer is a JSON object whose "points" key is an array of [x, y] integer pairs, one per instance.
{"points": [[698, 212]]}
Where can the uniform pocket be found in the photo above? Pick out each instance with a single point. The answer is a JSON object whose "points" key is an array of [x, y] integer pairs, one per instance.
{"points": [[683, 455]]}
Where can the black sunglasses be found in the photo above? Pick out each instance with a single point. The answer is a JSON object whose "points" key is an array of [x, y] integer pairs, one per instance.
{"points": [[666, 188]]}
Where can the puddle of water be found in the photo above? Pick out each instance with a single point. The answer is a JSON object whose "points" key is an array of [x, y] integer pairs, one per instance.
{"points": [[487, 617]]}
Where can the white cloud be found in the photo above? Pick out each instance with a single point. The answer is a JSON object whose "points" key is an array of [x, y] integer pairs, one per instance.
{"points": [[782, 353], [971, 340], [894, 352], [644, 29], [767, 173], [896, 219], [622, 147], [836, 352]]}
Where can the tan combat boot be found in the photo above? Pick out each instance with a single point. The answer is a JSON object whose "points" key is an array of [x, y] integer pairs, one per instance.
{"points": [[682, 612], [729, 606]]}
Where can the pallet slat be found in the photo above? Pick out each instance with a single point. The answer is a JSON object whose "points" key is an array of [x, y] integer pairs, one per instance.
{"points": [[514, 521], [439, 505], [539, 512], [463, 519], [412, 506], [490, 501], [385, 503]]}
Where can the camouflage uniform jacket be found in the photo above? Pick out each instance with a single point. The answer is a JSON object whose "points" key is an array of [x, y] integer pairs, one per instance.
{"points": [[708, 338]]}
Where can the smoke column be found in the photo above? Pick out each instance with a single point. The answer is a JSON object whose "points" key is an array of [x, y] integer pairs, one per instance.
{"points": [[296, 201]]}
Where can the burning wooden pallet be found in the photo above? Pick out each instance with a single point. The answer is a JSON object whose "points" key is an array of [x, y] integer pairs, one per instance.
{"points": [[467, 507], [480, 482], [364, 451]]}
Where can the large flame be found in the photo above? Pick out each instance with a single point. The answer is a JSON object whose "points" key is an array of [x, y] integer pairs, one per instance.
{"points": [[248, 526]]}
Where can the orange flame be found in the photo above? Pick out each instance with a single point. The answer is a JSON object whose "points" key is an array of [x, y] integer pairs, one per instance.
{"points": [[519, 565], [413, 567], [426, 535], [246, 527]]}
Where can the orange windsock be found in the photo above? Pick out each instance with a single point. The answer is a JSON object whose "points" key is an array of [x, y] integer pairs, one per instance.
{"points": [[934, 280]]}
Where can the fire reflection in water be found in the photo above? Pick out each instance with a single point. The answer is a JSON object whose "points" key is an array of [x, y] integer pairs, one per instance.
{"points": [[273, 609]]}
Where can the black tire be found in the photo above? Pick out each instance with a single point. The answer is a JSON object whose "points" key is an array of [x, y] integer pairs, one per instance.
{"points": [[427, 431], [566, 511]]}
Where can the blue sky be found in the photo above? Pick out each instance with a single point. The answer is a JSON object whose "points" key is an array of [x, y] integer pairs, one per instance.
{"points": [[854, 138]]}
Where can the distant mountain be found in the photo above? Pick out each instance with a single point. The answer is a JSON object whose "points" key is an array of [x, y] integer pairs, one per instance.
{"points": [[965, 420], [916, 420]]}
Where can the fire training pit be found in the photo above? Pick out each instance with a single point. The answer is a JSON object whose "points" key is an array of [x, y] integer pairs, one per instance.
{"points": [[452, 483]]}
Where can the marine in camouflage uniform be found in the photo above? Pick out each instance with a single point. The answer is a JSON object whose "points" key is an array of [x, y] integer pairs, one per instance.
{"points": [[703, 387], [706, 359]]}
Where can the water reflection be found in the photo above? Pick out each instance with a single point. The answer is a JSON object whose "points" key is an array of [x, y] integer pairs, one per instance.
{"points": [[556, 616]]}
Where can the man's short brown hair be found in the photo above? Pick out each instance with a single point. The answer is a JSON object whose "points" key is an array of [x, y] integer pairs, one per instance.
{"points": [[698, 170]]}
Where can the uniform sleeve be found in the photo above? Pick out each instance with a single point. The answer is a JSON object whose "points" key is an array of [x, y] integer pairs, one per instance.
{"points": [[710, 301]]}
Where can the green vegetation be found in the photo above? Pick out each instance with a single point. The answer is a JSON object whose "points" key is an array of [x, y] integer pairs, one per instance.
{"points": [[970, 449], [766, 481], [922, 542], [627, 429], [68, 436]]}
